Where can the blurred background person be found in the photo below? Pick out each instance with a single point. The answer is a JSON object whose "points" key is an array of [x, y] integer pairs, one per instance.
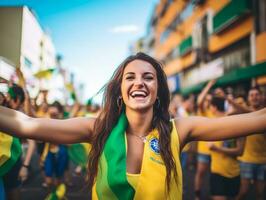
{"points": [[225, 170], [203, 152], [253, 160], [56, 156], [19, 172]]}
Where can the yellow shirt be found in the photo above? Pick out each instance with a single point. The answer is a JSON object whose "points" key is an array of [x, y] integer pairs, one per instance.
{"points": [[151, 181], [223, 164], [255, 149], [203, 147], [40, 113]]}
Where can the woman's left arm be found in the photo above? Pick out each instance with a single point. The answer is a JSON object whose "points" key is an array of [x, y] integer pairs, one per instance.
{"points": [[214, 129]]}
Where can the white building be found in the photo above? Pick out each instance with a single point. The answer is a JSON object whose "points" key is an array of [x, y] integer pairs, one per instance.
{"points": [[24, 43]]}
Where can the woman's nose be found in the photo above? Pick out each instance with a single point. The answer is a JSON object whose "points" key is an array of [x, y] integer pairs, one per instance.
{"points": [[139, 82]]}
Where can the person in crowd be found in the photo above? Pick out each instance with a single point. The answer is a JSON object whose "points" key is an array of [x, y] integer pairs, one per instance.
{"points": [[2, 155], [253, 160], [56, 157], [203, 152], [225, 170], [135, 146], [173, 107], [19, 172], [3, 100], [184, 110]]}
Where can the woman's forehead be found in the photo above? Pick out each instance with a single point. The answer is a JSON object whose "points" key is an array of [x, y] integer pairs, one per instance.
{"points": [[137, 66]]}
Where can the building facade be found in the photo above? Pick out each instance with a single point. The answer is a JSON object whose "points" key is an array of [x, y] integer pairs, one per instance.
{"points": [[24, 44], [200, 40]]}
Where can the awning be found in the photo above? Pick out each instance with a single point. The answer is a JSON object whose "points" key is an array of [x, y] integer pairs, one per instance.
{"points": [[235, 76], [242, 74], [232, 35], [185, 46], [231, 12]]}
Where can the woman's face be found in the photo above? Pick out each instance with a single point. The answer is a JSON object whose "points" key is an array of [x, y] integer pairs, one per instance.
{"points": [[139, 85]]}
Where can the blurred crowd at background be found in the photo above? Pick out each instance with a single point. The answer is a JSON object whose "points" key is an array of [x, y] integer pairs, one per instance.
{"points": [[53, 158]]}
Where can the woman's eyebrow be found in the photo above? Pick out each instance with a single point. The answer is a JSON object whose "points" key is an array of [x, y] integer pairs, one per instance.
{"points": [[145, 73], [148, 73], [129, 73]]}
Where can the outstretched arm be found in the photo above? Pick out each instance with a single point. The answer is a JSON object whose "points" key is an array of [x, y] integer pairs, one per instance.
{"points": [[214, 129], [50, 130]]}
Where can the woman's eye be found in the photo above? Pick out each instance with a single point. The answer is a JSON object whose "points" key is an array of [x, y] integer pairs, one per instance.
{"points": [[149, 78], [129, 77]]}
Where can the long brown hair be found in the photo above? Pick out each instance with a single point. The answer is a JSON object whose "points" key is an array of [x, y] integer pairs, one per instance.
{"points": [[111, 112]]}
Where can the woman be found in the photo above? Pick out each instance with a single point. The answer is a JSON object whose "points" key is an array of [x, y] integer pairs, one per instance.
{"points": [[135, 146]]}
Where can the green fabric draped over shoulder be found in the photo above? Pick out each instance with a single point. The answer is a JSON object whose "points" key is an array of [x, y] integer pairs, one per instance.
{"points": [[111, 182], [10, 151]]}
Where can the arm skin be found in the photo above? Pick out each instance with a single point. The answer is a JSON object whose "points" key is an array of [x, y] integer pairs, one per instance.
{"points": [[23, 173], [203, 129], [74, 111], [30, 152], [203, 94], [67, 131], [234, 152], [239, 108]]}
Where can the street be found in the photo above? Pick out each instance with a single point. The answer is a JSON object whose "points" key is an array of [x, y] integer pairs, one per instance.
{"points": [[32, 189]]}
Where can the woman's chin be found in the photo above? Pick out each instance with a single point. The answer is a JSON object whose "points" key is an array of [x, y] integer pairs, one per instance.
{"points": [[140, 107]]}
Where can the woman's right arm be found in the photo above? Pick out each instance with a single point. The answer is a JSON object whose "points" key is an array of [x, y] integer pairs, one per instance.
{"points": [[67, 131]]}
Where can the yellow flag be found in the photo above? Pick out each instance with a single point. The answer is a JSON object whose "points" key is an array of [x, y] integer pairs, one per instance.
{"points": [[69, 87], [44, 74]]}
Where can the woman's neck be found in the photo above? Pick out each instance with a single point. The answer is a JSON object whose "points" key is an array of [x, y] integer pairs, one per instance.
{"points": [[139, 123]]}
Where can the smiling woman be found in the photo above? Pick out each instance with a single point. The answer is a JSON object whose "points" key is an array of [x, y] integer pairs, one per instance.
{"points": [[135, 145], [136, 83]]}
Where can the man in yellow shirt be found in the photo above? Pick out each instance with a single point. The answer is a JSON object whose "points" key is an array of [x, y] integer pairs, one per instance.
{"points": [[203, 152], [225, 170], [253, 161]]}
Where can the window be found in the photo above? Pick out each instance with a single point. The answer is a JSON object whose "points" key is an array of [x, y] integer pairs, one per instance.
{"points": [[176, 52], [200, 37], [187, 12], [165, 35], [236, 59], [27, 63]]}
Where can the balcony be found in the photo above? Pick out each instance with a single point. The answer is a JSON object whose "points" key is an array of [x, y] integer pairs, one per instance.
{"points": [[185, 46], [230, 13]]}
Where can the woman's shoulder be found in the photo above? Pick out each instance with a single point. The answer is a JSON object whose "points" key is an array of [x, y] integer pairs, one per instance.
{"points": [[182, 126]]}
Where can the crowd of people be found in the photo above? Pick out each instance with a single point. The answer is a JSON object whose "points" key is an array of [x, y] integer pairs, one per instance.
{"points": [[53, 158], [233, 164], [226, 132]]}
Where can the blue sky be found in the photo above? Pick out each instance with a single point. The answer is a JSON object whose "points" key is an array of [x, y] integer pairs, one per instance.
{"points": [[92, 35]]}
